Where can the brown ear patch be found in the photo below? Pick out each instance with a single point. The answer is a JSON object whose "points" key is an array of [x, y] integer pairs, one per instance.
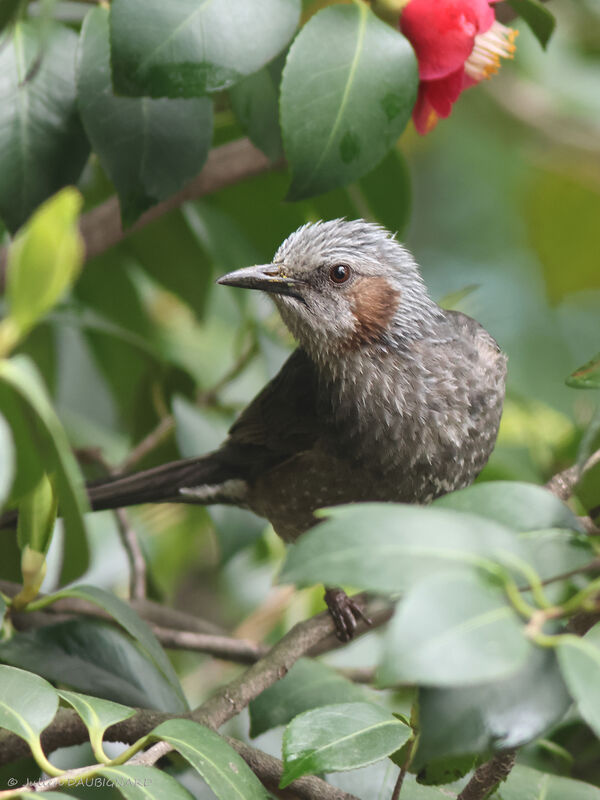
{"points": [[374, 302]]}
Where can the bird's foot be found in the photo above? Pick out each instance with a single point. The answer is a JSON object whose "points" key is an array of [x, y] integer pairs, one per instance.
{"points": [[345, 613]]}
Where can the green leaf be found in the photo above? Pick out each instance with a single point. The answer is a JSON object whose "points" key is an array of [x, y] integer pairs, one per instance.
{"points": [[42, 143], [341, 116], [145, 783], [579, 660], [37, 515], [93, 657], [309, 684], [236, 529], [7, 459], [133, 624], [453, 630], [198, 430], [222, 768], [27, 703], [192, 47], [9, 11], [21, 383], [2, 610], [388, 547], [587, 376], [521, 506], [537, 16], [339, 737], [44, 260], [97, 716], [255, 102], [149, 148], [487, 717], [525, 783], [555, 552]]}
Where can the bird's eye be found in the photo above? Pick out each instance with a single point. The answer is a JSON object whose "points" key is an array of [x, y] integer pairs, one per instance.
{"points": [[340, 273]]}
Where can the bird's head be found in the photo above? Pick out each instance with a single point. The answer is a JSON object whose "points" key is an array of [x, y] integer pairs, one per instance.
{"points": [[342, 286]]}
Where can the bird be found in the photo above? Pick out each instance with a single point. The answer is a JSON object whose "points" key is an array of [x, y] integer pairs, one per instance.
{"points": [[388, 397]]}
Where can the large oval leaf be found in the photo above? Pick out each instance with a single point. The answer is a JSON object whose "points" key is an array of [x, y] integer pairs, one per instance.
{"points": [[388, 547], [348, 89], [339, 737], [579, 661], [453, 630], [27, 703], [149, 148], [525, 783], [145, 783], [42, 143], [222, 768], [191, 47]]}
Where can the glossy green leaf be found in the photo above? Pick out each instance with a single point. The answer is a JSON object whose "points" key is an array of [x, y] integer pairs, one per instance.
{"points": [[579, 660], [255, 102], [150, 148], [555, 552], [42, 143], [587, 376], [93, 657], [20, 381], [97, 714], [44, 260], [539, 18], [7, 459], [389, 547], [520, 506], [135, 627], [453, 630], [145, 783], [192, 47], [222, 768], [525, 783], [338, 737], [492, 716], [309, 684], [37, 515], [341, 117], [28, 703]]}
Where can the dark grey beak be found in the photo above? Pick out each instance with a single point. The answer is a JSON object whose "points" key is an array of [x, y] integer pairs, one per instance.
{"points": [[266, 277]]}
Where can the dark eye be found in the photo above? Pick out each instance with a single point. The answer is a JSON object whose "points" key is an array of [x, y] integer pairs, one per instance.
{"points": [[340, 273]]}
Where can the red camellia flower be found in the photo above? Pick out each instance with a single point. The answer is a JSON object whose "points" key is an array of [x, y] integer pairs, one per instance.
{"points": [[458, 43]]}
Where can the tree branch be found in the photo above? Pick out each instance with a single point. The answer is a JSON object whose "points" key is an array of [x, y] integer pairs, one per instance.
{"points": [[227, 164], [563, 483], [488, 775]]}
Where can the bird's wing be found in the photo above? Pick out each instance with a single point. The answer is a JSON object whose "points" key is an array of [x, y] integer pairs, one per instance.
{"points": [[282, 419]]}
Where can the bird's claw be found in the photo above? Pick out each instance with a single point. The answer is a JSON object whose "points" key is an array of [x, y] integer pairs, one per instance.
{"points": [[345, 613]]}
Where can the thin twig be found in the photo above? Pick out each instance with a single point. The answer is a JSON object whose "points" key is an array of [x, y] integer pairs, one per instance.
{"points": [[563, 483], [242, 651], [489, 775], [137, 563], [149, 443]]}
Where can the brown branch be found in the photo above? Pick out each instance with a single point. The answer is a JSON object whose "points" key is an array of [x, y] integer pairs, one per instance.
{"points": [[227, 164], [151, 441], [563, 483], [489, 775], [137, 562], [242, 651]]}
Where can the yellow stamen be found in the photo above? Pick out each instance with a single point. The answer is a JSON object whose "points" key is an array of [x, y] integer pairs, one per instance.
{"points": [[489, 48]]}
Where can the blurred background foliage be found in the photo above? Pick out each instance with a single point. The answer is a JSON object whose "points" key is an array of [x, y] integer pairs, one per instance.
{"points": [[501, 207]]}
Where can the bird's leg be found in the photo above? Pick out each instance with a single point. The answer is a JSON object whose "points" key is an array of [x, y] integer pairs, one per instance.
{"points": [[345, 613]]}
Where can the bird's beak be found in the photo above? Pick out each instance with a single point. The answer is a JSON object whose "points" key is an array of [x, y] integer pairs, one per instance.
{"points": [[267, 277]]}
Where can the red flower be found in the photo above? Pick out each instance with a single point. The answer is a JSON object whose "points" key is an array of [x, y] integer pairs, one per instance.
{"points": [[458, 43]]}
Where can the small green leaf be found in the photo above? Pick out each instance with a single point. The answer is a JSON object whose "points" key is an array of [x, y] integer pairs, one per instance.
{"points": [[525, 783], [22, 388], [37, 515], [341, 116], [587, 376], [7, 459], [453, 630], [537, 16], [149, 148], [44, 260], [484, 718], [520, 506], [93, 657], [28, 703], [309, 684], [388, 547], [97, 715], [192, 47], [222, 768], [255, 102], [579, 660], [42, 143], [145, 783], [133, 624], [338, 737]]}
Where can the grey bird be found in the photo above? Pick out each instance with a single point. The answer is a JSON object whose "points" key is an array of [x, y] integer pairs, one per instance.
{"points": [[387, 398]]}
